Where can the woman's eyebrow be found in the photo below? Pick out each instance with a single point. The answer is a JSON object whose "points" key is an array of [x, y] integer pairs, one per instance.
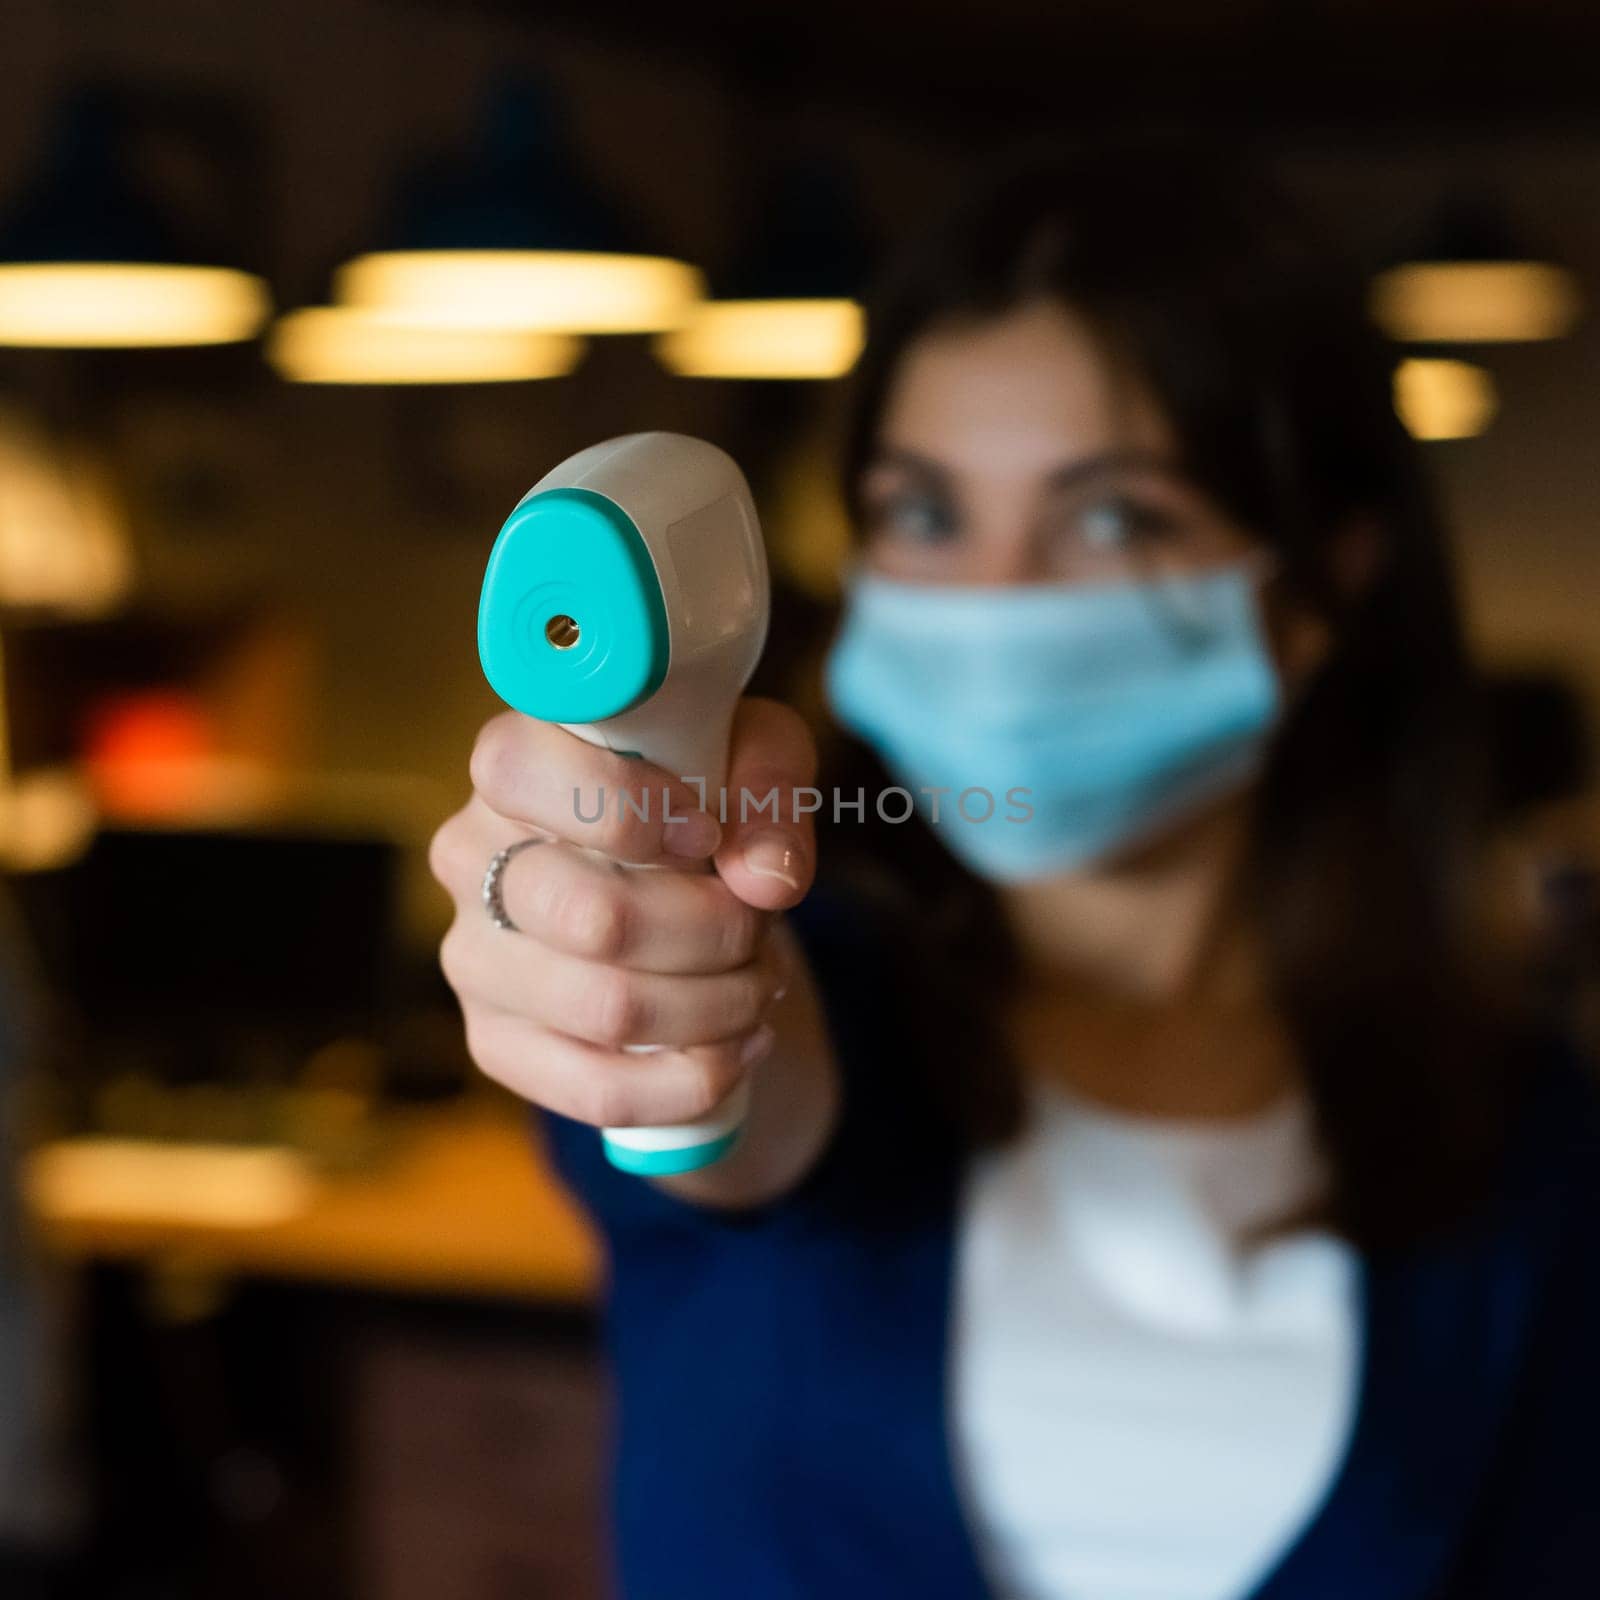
{"points": [[1075, 473], [1069, 476], [909, 460]]}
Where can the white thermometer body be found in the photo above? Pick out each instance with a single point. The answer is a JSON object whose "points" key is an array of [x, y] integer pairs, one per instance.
{"points": [[627, 598]]}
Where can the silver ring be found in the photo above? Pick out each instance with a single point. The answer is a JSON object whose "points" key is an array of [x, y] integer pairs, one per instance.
{"points": [[493, 877]]}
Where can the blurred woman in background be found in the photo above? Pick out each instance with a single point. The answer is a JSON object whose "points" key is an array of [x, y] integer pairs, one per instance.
{"points": [[1148, 1191]]}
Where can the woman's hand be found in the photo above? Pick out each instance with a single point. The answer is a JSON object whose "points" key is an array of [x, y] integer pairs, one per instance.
{"points": [[601, 957]]}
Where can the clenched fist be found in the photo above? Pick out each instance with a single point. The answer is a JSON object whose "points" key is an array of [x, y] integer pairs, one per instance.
{"points": [[599, 957]]}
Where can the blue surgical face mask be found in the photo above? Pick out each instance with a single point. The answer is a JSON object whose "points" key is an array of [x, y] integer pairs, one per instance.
{"points": [[1092, 717]]}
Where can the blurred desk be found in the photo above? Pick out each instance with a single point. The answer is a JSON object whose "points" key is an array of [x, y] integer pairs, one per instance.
{"points": [[459, 1202]]}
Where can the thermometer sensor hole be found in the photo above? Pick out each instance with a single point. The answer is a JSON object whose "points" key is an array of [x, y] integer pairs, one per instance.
{"points": [[561, 631]]}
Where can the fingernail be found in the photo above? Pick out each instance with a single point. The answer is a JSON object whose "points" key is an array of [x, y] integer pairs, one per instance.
{"points": [[757, 1044], [775, 855], [694, 834]]}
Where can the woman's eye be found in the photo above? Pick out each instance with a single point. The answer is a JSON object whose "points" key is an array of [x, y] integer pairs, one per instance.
{"points": [[1118, 524], [919, 517]]}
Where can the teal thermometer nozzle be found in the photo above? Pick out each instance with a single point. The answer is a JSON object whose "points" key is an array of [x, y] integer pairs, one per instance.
{"points": [[626, 598]]}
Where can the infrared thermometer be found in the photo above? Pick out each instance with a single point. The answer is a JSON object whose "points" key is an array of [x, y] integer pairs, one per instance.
{"points": [[626, 598]]}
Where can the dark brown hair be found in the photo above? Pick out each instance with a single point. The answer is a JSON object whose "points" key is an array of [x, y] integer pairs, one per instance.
{"points": [[1253, 334]]}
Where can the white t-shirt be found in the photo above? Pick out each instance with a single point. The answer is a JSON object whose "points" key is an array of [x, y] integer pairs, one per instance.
{"points": [[1146, 1405]]}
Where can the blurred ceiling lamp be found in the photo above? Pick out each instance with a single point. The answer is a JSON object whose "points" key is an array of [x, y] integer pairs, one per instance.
{"points": [[63, 545], [563, 291], [767, 339], [86, 261], [1466, 302], [1438, 399], [345, 344], [789, 309], [515, 238], [106, 305], [1469, 283]]}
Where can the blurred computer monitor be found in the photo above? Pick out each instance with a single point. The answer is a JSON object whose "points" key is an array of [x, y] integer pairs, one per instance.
{"points": [[206, 947]]}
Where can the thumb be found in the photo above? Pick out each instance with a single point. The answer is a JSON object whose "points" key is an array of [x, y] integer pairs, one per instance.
{"points": [[768, 853]]}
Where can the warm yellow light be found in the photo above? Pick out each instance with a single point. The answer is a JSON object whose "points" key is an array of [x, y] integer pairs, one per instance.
{"points": [[341, 344], [557, 290], [1444, 399], [766, 339], [1475, 302], [96, 1179], [47, 820], [107, 304], [63, 543]]}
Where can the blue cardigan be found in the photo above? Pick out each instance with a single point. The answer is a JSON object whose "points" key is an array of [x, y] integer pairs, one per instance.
{"points": [[780, 1373]]}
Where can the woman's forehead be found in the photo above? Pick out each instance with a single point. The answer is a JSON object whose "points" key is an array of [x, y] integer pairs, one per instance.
{"points": [[1021, 393]]}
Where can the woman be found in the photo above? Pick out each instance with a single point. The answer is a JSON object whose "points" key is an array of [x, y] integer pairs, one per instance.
{"points": [[1147, 1190]]}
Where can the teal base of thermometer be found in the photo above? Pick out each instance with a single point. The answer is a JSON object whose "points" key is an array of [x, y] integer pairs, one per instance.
{"points": [[626, 598], [659, 1152], [664, 1163]]}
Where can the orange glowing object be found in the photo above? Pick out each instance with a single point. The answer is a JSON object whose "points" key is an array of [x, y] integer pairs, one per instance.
{"points": [[149, 754]]}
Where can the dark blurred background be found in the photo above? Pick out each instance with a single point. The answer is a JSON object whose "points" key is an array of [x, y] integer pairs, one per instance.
{"points": [[288, 1304]]}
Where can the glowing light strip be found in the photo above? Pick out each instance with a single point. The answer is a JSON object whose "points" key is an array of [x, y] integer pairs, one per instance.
{"points": [[560, 291], [341, 344], [766, 339], [1472, 302], [143, 1181], [116, 304]]}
